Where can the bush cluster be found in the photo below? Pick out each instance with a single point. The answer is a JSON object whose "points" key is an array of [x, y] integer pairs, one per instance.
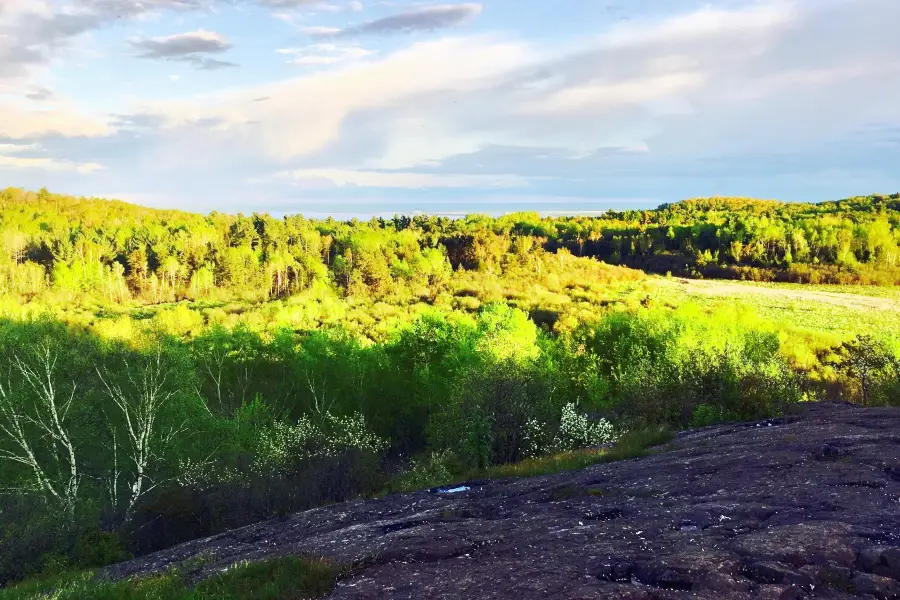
{"points": [[248, 426]]}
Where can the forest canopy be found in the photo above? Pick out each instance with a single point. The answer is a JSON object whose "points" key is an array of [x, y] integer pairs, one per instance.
{"points": [[118, 251]]}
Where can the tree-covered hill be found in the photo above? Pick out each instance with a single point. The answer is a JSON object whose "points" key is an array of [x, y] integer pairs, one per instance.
{"points": [[119, 251]]}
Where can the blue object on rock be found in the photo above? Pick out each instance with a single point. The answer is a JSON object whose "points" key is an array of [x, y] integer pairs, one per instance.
{"points": [[456, 490]]}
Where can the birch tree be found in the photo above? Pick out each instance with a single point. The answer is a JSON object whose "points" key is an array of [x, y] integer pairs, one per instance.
{"points": [[34, 421], [141, 407], [223, 359]]}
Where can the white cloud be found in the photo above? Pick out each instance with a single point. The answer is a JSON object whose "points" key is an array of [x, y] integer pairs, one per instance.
{"points": [[316, 60], [16, 148], [383, 179], [325, 54], [321, 31], [312, 48], [706, 23], [47, 164], [305, 114], [60, 120], [597, 95]]}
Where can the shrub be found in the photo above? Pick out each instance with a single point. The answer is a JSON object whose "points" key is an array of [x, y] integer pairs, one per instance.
{"points": [[429, 470], [31, 538], [573, 432], [96, 548], [274, 468], [663, 365], [487, 425], [707, 414], [285, 443], [872, 372], [179, 513]]}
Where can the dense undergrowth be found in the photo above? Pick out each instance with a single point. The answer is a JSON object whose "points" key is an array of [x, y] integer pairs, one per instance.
{"points": [[164, 439], [431, 353]]}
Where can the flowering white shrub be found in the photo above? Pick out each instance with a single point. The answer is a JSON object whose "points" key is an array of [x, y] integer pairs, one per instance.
{"points": [[285, 442], [200, 475], [282, 443], [350, 433], [538, 442], [575, 431]]}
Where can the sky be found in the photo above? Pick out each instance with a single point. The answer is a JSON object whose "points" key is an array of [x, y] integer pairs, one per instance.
{"points": [[376, 107]]}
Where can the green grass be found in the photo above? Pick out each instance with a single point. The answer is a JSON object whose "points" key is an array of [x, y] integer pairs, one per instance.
{"points": [[871, 291], [793, 314], [288, 578], [633, 444]]}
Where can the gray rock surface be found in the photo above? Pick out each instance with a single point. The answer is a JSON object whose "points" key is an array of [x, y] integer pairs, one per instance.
{"points": [[807, 506]]}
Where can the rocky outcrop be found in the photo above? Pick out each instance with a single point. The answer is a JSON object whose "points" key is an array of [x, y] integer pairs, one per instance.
{"points": [[807, 506]]}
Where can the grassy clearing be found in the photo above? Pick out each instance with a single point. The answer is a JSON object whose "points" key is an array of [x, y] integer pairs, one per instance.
{"points": [[288, 578], [869, 291], [633, 444], [807, 311]]}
